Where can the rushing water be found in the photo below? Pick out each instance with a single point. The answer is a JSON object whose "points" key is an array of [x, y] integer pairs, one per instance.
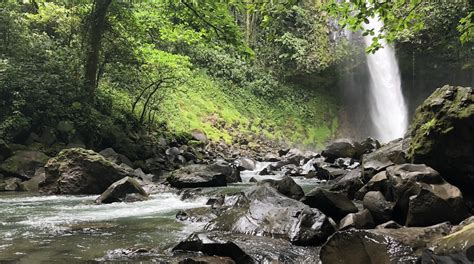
{"points": [[72, 229], [387, 106]]}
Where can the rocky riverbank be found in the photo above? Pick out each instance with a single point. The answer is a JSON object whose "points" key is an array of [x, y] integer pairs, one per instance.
{"points": [[407, 201]]}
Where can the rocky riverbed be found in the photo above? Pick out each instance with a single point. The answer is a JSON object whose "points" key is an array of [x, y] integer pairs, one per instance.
{"points": [[407, 201]]}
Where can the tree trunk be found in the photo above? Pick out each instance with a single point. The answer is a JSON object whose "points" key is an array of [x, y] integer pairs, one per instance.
{"points": [[97, 23]]}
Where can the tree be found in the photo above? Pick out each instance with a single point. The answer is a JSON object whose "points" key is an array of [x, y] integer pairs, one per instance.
{"points": [[397, 15], [94, 38]]}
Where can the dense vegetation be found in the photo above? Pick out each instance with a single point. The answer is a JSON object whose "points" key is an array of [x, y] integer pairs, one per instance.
{"points": [[91, 70]]}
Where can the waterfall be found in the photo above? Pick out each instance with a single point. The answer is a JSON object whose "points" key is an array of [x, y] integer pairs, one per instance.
{"points": [[388, 110]]}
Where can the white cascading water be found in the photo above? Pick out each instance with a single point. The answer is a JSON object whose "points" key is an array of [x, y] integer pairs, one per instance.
{"points": [[387, 107]]}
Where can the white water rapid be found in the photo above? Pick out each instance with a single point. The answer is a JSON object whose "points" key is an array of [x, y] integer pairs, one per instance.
{"points": [[388, 111]]}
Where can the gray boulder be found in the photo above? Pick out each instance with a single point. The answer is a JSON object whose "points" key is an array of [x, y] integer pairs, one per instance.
{"points": [[286, 186], [23, 164], [118, 191], [341, 148], [403, 245], [262, 210], [359, 220], [201, 175], [390, 154], [380, 209], [335, 205], [80, 171]]}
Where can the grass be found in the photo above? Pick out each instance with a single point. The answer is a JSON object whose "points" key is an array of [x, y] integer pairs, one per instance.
{"points": [[223, 111]]}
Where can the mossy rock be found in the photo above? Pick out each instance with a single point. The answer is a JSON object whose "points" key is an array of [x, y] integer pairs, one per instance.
{"points": [[23, 164], [442, 134], [80, 171]]}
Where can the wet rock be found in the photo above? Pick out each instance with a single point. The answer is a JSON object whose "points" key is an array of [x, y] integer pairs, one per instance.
{"points": [[368, 145], [389, 225], [201, 175], [286, 186], [216, 202], [349, 183], [207, 260], [23, 164], [359, 220], [341, 148], [267, 171], [199, 136], [32, 185], [111, 155], [323, 173], [457, 245], [80, 171], [335, 205], [271, 157], [173, 151], [390, 154], [253, 179], [346, 163], [261, 249], [283, 152], [262, 210], [245, 164], [214, 247], [423, 198], [291, 170], [5, 150], [118, 190], [402, 245], [229, 170], [378, 183], [201, 214], [441, 132], [12, 184], [295, 157], [380, 209]]}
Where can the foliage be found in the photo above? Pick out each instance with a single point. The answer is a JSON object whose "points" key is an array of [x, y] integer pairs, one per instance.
{"points": [[399, 17]]}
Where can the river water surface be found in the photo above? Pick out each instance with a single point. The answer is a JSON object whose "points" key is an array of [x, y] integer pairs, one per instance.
{"points": [[73, 229]]}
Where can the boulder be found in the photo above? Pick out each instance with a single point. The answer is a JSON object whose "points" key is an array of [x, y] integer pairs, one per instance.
{"points": [[110, 154], [250, 249], [359, 220], [403, 245], [286, 186], [380, 209], [229, 170], [341, 148], [207, 260], [389, 225], [378, 183], [245, 164], [295, 157], [12, 184], [390, 154], [5, 150], [457, 245], [423, 198], [32, 185], [368, 145], [262, 210], [80, 171], [271, 157], [349, 183], [201, 175], [335, 205], [23, 164], [118, 190], [199, 136], [214, 247], [441, 132]]}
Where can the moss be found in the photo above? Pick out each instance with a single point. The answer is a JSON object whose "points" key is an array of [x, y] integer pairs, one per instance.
{"points": [[224, 111]]}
